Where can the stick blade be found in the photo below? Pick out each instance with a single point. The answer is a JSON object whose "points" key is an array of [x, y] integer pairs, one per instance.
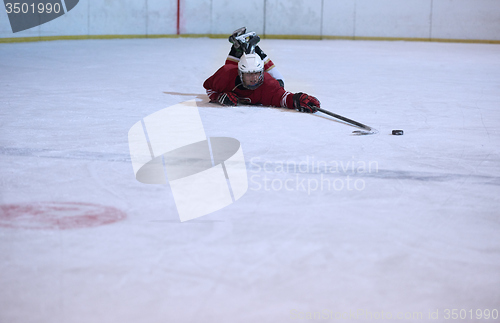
{"points": [[364, 132]]}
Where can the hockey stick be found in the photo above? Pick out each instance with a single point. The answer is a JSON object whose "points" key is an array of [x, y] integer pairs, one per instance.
{"points": [[369, 130]]}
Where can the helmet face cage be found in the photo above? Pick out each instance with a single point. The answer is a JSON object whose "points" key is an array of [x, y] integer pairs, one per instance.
{"points": [[249, 64], [256, 85]]}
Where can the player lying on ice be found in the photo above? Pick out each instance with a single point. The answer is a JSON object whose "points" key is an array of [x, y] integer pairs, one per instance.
{"points": [[247, 78]]}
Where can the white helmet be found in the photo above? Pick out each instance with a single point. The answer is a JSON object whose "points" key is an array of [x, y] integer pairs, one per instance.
{"points": [[251, 63]]}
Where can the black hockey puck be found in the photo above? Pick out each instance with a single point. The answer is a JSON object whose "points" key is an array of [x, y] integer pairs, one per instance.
{"points": [[397, 132]]}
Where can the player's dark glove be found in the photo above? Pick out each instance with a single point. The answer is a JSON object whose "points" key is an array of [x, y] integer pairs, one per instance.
{"points": [[282, 84], [305, 103], [228, 98]]}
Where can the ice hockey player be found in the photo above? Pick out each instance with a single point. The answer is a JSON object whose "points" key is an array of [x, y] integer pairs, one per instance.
{"points": [[249, 83]]}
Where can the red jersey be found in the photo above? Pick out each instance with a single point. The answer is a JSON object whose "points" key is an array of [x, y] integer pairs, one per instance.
{"points": [[269, 93]]}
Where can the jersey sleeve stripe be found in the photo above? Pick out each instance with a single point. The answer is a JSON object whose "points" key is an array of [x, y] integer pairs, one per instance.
{"points": [[232, 59], [283, 99]]}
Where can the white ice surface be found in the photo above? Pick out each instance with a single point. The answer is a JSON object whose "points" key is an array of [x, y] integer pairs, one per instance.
{"points": [[421, 234]]}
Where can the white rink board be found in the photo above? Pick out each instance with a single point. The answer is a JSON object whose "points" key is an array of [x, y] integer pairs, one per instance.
{"points": [[296, 17], [422, 19], [463, 19], [228, 15], [196, 17], [339, 18], [393, 18]]}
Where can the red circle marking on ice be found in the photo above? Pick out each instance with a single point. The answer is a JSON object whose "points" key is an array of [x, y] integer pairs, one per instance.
{"points": [[57, 215]]}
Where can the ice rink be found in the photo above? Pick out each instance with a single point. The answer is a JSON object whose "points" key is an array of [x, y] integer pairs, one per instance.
{"points": [[364, 228]]}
